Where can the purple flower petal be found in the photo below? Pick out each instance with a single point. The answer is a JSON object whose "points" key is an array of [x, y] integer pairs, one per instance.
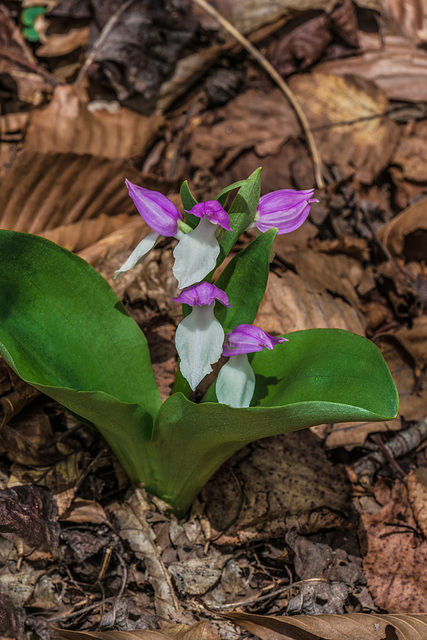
{"points": [[214, 211], [285, 209], [156, 209], [246, 338], [202, 294]]}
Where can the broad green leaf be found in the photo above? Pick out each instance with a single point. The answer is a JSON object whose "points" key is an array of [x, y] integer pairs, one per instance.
{"points": [[323, 375], [244, 280], [64, 330]]}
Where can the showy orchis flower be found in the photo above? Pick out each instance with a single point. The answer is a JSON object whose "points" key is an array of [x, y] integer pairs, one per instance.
{"points": [[197, 250], [196, 254], [160, 214], [199, 337], [235, 384], [285, 209]]}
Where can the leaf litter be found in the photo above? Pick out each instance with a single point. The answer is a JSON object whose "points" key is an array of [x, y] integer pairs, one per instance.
{"points": [[279, 531]]}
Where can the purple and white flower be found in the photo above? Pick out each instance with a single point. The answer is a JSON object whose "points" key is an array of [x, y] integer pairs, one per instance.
{"points": [[160, 214], [196, 254], [235, 384], [285, 210], [197, 250], [199, 337]]}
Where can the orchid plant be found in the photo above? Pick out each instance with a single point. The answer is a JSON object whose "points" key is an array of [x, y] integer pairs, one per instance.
{"points": [[63, 330]]}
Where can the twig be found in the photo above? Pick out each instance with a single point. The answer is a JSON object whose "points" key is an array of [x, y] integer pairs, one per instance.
{"points": [[405, 441], [275, 76], [109, 25]]}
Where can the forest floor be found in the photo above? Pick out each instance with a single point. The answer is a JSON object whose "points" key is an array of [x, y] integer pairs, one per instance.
{"points": [[330, 520]]}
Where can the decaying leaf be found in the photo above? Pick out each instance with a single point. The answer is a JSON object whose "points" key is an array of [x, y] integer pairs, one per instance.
{"points": [[248, 15], [131, 516], [18, 63], [293, 302], [411, 220], [143, 45], [85, 233], [394, 64], [349, 122], [395, 552], [347, 116], [43, 191], [198, 631], [416, 482], [68, 124], [30, 513], [279, 483], [353, 626]]}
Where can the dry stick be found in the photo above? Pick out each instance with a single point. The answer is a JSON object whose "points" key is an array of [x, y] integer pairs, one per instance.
{"points": [[265, 64], [101, 39], [405, 441]]}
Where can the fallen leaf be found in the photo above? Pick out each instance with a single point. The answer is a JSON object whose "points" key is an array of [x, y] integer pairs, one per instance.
{"points": [[248, 15], [18, 63], [133, 527], [395, 232], [43, 191], [338, 110], [416, 482], [198, 631], [349, 122], [409, 18], [414, 340], [395, 65], [85, 233], [69, 125], [143, 44], [394, 552], [282, 482], [293, 302], [30, 513], [352, 626]]}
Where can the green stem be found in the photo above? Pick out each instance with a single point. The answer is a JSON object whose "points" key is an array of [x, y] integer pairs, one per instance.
{"points": [[181, 385]]}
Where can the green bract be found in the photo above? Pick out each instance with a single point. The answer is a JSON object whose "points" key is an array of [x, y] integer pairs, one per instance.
{"points": [[63, 330]]}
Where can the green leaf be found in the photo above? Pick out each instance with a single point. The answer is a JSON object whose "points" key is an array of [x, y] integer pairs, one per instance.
{"points": [[244, 280], [64, 330], [188, 202], [242, 213], [223, 194], [322, 375]]}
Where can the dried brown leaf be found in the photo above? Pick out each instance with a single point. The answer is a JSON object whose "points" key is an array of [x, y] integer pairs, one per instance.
{"points": [[295, 301], [248, 15], [133, 526], [416, 482], [198, 631], [395, 65], [43, 191], [352, 626], [414, 340], [349, 122], [285, 481], [85, 233], [143, 44], [17, 62], [68, 125], [30, 513], [411, 153], [395, 553], [408, 18], [394, 232]]}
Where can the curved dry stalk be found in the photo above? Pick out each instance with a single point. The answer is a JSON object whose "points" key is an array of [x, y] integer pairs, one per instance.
{"points": [[100, 40], [275, 76]]}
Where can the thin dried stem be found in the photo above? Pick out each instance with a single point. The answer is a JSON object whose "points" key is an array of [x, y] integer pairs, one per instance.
{"points": [[272, 72], [100, 40]]}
